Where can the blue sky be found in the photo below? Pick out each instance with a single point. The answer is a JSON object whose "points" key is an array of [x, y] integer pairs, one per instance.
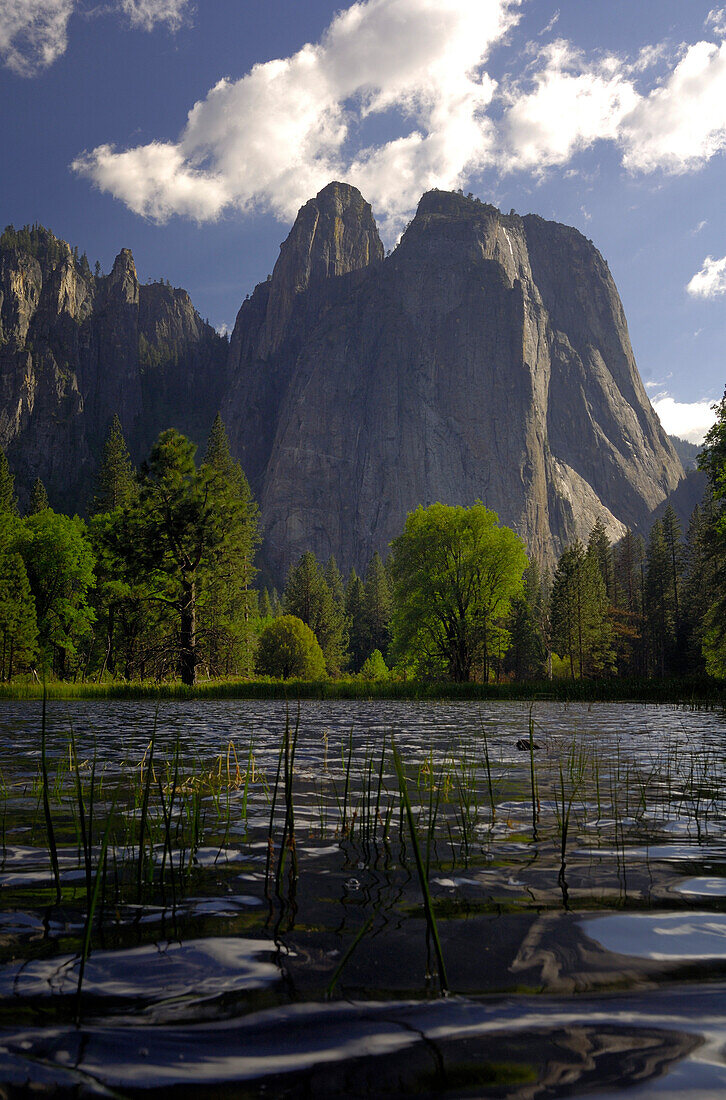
{"points": [[192, 132]]}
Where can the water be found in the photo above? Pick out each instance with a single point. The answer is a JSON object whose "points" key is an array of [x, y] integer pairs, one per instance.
{"points": [[583, 932]]}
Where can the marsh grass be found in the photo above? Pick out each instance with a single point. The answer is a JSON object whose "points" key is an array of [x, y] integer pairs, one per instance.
{"points": [[438, 812], [689, 692]]}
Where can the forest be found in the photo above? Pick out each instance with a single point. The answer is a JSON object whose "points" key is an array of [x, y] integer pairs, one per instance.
{"points": [[159, 583]]}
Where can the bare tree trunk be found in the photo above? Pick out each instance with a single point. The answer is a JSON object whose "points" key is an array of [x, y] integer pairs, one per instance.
{"points": [[188, 634]]}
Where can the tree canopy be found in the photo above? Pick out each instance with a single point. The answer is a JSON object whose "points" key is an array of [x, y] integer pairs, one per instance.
{"points": [[454, 571]]}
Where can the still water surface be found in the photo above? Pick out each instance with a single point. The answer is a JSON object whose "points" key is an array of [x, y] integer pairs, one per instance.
{"points": [[272, 939]]}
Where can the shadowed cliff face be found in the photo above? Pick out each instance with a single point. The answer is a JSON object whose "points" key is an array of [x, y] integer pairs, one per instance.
{"points": [[76, 348], [487, 358]]}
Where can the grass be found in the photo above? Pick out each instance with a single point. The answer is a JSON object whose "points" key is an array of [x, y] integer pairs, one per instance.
{"points": [[696, 692]]}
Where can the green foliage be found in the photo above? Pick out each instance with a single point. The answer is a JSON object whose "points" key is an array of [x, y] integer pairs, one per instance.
{"points": [[18, 623], [581, 630], [8, 500], [374, 667], [228, 603], [288, 648], [115, 481], [526, 658], [60, 567], [354, 607], [308, 597], [455, 571], [38, 498], [712, 461], [377, 606]]}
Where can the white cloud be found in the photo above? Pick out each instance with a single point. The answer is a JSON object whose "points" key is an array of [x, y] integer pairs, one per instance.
{"points": [[33, 33], [687, 420], [573, 103], [553, 21], [697, 228], [710, 281], [716, 18], [280, 133], [681, 124], [145, 14]]}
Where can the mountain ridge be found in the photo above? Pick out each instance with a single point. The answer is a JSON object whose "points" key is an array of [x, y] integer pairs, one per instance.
{"points": [[486, 357]]}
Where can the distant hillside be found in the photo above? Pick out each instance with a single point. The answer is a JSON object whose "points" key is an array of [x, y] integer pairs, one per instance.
{"points": [[687, 452]]}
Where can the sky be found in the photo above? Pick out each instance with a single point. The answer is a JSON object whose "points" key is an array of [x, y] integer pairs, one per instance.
{"points": [[192, 132]]}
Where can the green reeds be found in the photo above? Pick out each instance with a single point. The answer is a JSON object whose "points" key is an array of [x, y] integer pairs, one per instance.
{"points": [[420, 868], [50, 831]]}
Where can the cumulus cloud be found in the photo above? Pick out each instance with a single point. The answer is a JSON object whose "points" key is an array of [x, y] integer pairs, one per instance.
{"points": [[34, 33], [284, 130], [274, 137], [710, 281], [687, 420], [572, 104], [682, 123]]}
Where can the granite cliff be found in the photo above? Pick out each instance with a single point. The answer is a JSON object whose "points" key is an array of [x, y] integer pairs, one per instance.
{"points": [[487, 357], [75, 348]]}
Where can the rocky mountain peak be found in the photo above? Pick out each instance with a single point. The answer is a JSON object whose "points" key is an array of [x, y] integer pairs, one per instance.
{"points": [[123, 281], [334, 234]]}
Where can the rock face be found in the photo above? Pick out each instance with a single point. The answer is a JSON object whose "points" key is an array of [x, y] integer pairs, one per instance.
{"points": [[76, 348], [486, 358]]}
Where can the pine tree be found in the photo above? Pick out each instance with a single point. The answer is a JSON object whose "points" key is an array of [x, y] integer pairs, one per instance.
{"points": [[308, 597], [334, 581], [698, 591], [377, 606], [581, 631], [355, 611], [659, 601], [18, 623], [526, 657], [599, 545], [628, 621], [712, 461], [672, 538], [265, 605], [115, 482], [230, 602], [8, 501], [38, 498]]}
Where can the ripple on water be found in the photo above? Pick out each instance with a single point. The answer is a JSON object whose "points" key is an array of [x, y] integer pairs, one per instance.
{"points": [[202, 968], [666, 937]]}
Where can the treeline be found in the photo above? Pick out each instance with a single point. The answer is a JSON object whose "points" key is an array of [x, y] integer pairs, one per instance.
{"points": [[160, 583]]}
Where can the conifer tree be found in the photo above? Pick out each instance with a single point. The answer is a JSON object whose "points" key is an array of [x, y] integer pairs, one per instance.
{"points": [[629, 577], [712, 461], [8, 501], [355, 611], [581, 631], [526, 657], [697, 588], [599, 545], [230, 602], [377, 606], [334, 581], [308, 597], [659, 601], [672, 538], [38, 498], [115, 482], [18, 624]]}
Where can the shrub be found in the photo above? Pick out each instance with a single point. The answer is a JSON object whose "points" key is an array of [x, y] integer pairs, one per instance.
{"points": [[374, 667], [288, 648]]}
